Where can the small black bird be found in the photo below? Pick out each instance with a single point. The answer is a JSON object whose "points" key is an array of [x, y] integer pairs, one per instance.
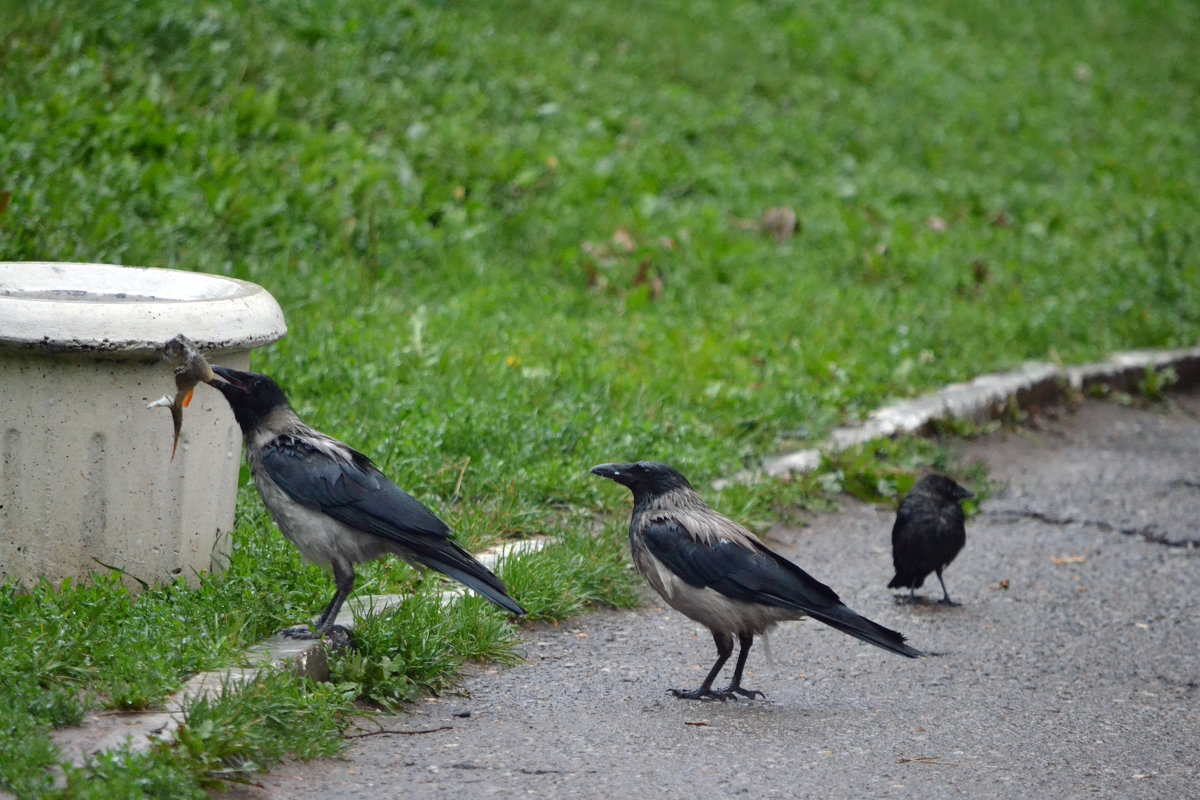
{"points": [[716, 572], [928, 533], [334, 504]]}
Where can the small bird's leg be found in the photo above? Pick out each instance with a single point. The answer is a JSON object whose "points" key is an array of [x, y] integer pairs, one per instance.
{"points": [[745, 640], [343, 576], [724, 650], [945, 595]]}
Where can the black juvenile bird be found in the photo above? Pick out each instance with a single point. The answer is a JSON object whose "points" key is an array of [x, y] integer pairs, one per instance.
{"points": [[716, 572], [333, 504], [928, 533]]}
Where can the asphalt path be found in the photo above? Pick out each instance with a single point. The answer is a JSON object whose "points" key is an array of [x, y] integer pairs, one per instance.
{"points": [[1070, 670]]}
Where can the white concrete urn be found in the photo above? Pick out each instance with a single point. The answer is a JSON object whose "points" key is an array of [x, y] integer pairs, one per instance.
{"points": [[86, 476]]}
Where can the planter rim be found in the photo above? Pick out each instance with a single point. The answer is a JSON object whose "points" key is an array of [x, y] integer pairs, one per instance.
{"points": [[119, 311]]}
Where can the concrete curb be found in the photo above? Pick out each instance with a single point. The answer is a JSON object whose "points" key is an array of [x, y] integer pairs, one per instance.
{"points": [[988, 397], [111, 730]]}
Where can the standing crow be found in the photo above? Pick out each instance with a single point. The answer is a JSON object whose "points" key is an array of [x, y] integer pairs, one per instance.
{"points": [[928, 533], [334, 505], [716, 572]]}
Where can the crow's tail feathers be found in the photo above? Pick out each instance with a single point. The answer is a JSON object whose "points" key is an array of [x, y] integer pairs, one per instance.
{"points": [[460, 565], [850, 622], [906, 580]]}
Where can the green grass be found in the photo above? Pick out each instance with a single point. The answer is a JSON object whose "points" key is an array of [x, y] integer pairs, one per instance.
{"points": [[513, 240], [227, 738]]}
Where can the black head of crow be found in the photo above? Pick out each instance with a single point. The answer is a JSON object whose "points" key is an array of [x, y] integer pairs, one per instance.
{"points": [[719, 574], [646, 479], [334, 504], [929, 531], [251, 396]]}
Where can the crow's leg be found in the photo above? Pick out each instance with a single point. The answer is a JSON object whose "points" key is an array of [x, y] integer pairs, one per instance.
{"points": [[343, 577], [745, 640], [724, 643], [909, 599], [945, 595]]}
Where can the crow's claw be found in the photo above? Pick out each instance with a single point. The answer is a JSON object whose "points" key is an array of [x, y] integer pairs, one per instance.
{"points": [[301, 632], [338, 636], [728, 693]]}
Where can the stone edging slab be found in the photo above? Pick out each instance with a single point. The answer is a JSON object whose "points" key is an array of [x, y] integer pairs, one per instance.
{"points": [[989, 396]]}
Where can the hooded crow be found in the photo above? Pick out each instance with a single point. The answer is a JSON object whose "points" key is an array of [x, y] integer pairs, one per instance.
{"points": [[334, 504], [716, 572], [928, 533]]}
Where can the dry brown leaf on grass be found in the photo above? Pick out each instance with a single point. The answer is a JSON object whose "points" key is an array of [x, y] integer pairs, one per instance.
{"points": [[644, 278], [622, 240], [781, 223]]}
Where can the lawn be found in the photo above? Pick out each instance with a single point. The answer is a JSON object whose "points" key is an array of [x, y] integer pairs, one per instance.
{"points": [[513, 240]]}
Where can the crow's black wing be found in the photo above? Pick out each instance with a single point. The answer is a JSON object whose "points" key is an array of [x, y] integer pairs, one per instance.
{"points": [[756, 575], [357, 494], [910, 542]]}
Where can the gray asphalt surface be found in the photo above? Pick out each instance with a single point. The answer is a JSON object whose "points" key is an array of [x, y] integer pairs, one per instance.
{"points": [[1070, 671]]}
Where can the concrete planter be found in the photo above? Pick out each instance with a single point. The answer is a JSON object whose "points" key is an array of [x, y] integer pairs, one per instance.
{"points": [[85, 471]]}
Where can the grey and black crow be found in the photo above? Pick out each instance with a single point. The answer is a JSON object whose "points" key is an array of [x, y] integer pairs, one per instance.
{"points": [[334, 504], [716, 572], [928, 533]]}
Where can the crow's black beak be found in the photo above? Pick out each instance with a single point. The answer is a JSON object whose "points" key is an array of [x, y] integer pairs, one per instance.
{"points": [[609, 471], [226, 379]]}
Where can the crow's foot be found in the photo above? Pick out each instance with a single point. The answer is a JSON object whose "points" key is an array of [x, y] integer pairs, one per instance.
{"points": [[698, 694], [728, 693], [946, 601], [338, 636], [302, 632]]}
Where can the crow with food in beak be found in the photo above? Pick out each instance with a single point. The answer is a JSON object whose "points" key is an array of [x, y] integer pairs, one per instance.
{"points": [[334, 504]]}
